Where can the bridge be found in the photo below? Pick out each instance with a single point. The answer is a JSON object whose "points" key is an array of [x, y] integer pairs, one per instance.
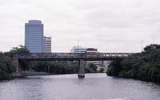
{"points": [[80, 57]]}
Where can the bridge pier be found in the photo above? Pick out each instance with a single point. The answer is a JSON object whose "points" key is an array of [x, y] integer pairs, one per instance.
{"points": [[18, 65], [81, 72]]}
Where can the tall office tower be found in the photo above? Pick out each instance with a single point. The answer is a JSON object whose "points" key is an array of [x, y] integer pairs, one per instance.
{"points": [[47, 44], [34, 36]]}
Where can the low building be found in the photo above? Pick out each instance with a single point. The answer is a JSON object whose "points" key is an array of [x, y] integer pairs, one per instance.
{"points": [[78, 49], [47, 44]]}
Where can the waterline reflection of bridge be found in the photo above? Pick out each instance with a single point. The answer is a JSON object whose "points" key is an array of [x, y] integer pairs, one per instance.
{"points": [[80, 57]]}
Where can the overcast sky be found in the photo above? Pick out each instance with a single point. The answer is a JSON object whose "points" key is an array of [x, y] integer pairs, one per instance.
{"points": [[109, 25]]}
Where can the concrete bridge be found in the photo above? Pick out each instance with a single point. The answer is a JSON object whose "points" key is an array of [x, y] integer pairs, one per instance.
{"points": [[80, 57]]}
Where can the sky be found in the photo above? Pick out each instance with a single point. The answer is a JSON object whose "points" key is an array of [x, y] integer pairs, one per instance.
{"points": [[109, 25]]}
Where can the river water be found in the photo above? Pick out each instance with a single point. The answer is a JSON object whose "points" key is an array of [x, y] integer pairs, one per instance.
{"points": [[69, 87]]}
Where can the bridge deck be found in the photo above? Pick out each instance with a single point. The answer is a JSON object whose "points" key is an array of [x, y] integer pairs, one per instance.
{"points": [[73, 56]]}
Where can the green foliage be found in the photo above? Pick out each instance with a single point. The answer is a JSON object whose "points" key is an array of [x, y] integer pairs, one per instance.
{"points": [[19, 50], [91, 68], [6, 67], [114, 68], [144, 66], [53, 67], [61, 67]]}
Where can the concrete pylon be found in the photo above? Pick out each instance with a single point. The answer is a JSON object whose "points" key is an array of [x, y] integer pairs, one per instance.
{"points": [[81, 72]]}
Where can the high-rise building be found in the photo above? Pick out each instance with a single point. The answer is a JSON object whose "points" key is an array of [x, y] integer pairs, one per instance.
{"points": [[47, 44], [34, 36]]}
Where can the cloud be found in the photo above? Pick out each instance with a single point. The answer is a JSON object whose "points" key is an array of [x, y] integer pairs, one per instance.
{"points": [[112, 24]]}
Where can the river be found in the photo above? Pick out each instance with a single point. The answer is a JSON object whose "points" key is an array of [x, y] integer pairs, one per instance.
{"points": [[69, 87]]}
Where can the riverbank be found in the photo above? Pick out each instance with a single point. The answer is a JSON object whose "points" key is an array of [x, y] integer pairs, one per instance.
{"points": [[142, 66]]}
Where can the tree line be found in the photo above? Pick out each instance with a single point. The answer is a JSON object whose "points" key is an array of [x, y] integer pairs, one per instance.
{"points": [[143, 66], [7, 65], [60, 67]]}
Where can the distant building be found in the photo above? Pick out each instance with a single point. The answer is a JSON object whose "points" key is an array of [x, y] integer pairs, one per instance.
{"points": [[34, 36], [90, 52], [47, 44], [35, 41], [77, 49]]}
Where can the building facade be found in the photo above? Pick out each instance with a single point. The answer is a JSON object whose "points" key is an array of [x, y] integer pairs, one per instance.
{"points": [[34, 36], [47, 44], [78, 49]]}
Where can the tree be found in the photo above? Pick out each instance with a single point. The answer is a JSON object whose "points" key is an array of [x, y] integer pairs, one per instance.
{"points": [[19, 50], [91, 68], [151, 48], [6, 67], [114, 68]]}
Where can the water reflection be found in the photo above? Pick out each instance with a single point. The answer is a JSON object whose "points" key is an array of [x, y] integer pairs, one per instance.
{"points": [[69, 87]]}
